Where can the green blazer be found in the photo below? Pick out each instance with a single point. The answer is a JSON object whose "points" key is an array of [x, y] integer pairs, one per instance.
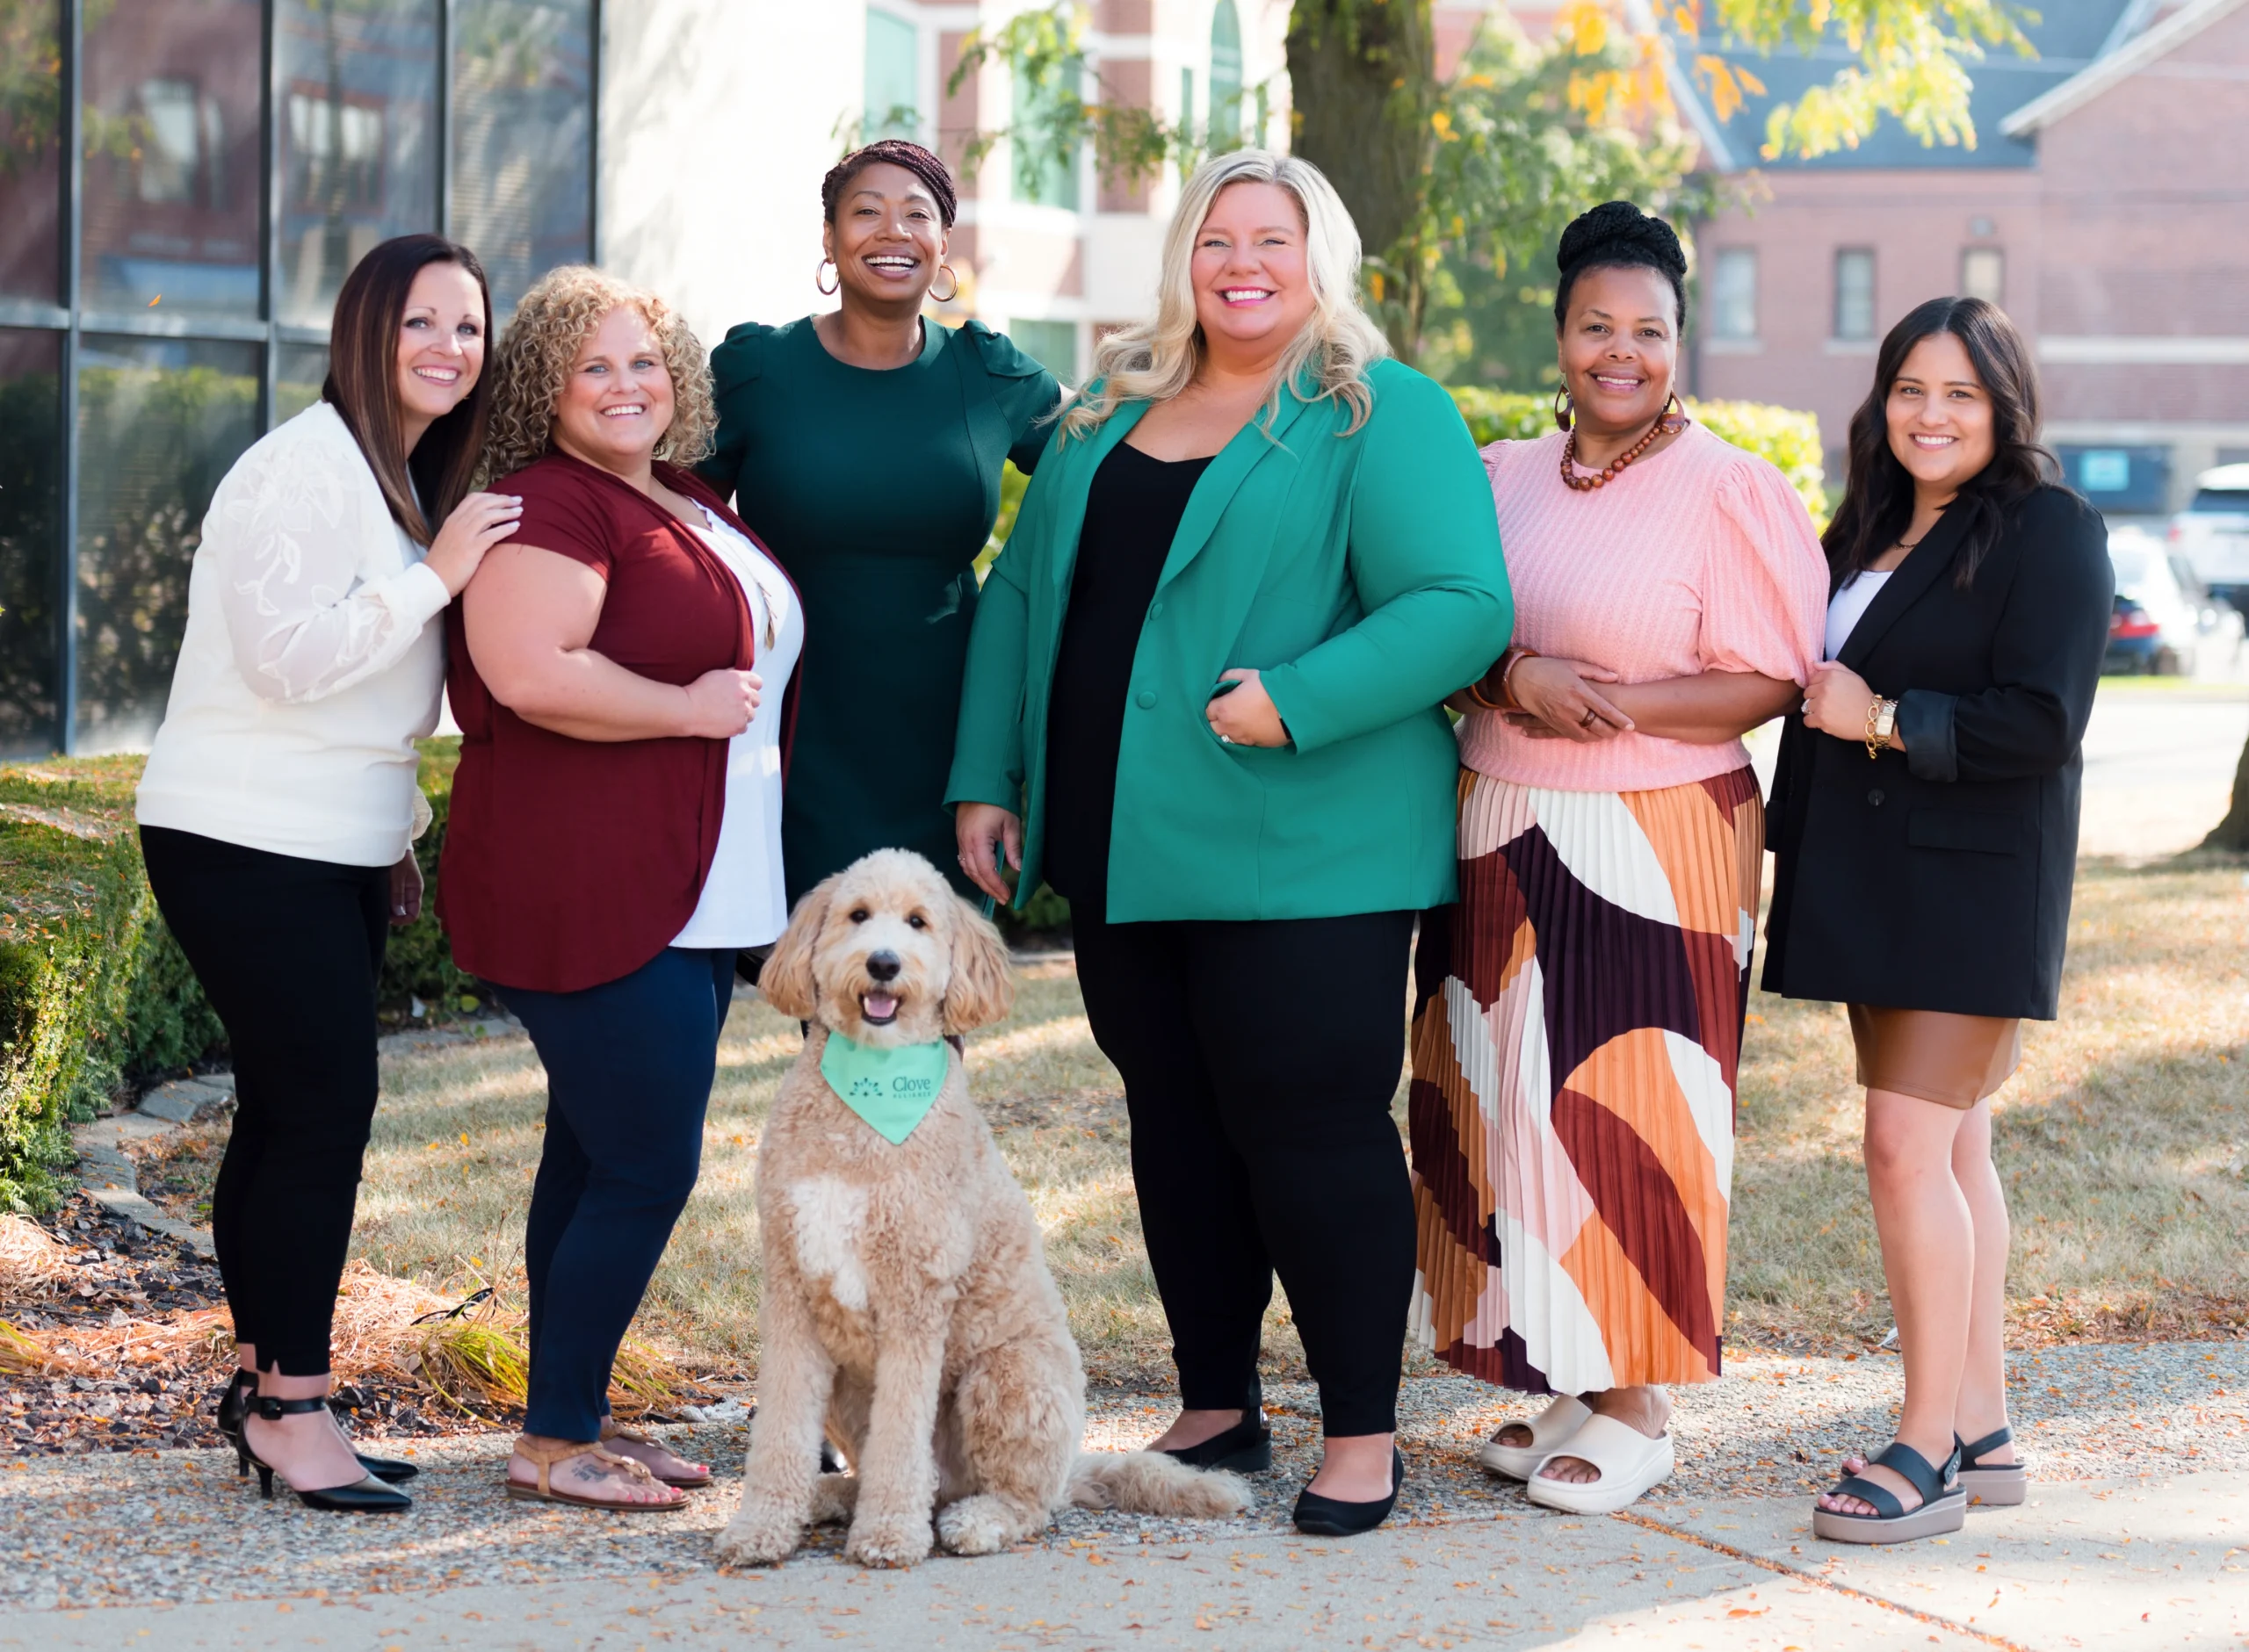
{"points": [[1360, 575]]}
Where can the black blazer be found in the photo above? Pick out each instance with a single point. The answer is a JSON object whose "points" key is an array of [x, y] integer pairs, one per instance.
{"points": [[1938, 877]]}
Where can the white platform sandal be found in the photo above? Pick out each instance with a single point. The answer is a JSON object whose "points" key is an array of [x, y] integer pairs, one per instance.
{"points": [[1549, 1430], [1630, 1463]]}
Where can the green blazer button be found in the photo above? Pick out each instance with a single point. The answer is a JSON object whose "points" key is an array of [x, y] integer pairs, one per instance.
{"points": [[1146, 699], [1155, 610]]}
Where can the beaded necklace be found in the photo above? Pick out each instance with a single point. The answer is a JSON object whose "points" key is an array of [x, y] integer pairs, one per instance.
{"points": [[1665, 423]]}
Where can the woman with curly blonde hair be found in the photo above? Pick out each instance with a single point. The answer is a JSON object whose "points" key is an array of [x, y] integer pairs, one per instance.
{"points": [[1202, 699], [623, 680]]}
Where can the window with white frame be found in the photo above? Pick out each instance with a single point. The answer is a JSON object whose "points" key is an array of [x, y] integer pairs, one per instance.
{"points": [[1982, 274], [893, 82], [1853, 293], [1733, 293]]}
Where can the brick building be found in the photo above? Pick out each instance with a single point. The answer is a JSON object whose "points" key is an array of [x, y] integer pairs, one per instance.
{"points": [[2105, 205]]}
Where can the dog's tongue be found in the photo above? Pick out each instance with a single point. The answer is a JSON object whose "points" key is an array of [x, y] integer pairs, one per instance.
{"points": [[880, 1006]]}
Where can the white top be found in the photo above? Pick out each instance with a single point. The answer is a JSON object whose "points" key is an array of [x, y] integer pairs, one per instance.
{"points": [[1848, 606], [309, 667], [745, 900]]}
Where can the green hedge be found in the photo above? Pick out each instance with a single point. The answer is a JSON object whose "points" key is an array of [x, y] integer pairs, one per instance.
{"points": [[1789, 439], [93, 990]]}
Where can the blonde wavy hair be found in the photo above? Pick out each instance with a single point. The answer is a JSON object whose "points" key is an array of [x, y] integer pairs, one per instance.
{"points": [[1156, 360], [550, 326]]}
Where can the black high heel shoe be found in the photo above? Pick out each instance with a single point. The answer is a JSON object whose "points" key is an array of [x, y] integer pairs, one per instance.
{"points": [[1246, 1448], [236, 1399], [1332, 1517], [367, 1495]]}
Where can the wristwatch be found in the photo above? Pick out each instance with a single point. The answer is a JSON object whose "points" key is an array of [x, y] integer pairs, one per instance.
{"points": [[1881, 719]]}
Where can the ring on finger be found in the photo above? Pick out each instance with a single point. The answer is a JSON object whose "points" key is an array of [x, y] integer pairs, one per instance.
{"points": [[1589, 719]]}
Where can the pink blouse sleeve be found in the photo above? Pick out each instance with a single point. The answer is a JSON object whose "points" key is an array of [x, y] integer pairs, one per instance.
{"points": [[1765, 588]]}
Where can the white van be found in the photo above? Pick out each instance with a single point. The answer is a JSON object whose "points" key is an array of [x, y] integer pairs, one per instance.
{"points": [[2212, 533]]}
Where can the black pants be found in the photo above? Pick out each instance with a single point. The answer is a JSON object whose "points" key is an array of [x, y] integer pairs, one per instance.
{"points": [[288, 951], [1260, 1060], [629, 1065]]}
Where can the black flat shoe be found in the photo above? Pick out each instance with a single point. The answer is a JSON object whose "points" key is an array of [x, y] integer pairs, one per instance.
{"points": [[1331, 1516], [1246, 1447], [236, 1399], [368, 1495]]}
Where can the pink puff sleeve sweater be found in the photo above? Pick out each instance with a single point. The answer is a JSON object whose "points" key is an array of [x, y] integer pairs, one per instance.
{"points": [[1698, 558]]}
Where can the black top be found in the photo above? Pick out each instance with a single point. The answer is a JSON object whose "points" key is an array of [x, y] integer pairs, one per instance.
{"points": [[1132, 512], [1938, 879]]}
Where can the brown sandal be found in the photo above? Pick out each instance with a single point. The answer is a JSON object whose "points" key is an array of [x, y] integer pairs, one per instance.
{"points": [[546, 1456], [612, 1429]]}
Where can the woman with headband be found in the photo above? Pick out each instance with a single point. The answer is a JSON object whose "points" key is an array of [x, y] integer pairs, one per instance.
{"points": [[865, 445]]}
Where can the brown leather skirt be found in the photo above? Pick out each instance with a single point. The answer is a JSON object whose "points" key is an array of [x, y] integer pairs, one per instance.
{"points": [[1953, 1060]]}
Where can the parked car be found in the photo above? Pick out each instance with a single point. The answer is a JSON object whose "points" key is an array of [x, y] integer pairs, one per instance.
{"points": [[2165, 620], [2212, 533]]}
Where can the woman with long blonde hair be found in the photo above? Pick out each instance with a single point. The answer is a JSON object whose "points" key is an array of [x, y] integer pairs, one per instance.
{"points": [[623, 679], [1203, 701]]}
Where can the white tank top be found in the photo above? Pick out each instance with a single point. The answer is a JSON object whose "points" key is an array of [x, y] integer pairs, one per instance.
{"points": [[1848, 606]]}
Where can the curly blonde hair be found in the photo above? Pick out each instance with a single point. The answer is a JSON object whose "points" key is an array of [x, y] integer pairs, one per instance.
{"points": [[550, 325], [1156, 360]]}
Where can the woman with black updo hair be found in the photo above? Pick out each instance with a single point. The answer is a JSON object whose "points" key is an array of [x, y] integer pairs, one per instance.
{"points": [[1579, 1015]]}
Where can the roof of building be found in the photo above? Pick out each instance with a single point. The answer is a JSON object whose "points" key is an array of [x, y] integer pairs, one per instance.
{"points": [[2073, 38], [2138, 48]]}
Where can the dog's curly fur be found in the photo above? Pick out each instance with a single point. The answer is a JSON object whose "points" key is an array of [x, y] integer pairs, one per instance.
{"points": [[907, 1313]]}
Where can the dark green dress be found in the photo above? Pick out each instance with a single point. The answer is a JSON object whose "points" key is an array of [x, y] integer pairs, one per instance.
{"points": [[876, 488]]}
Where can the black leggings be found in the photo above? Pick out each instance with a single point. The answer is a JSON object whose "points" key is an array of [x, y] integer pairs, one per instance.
{"points": [[288, 951], [1260, 1060]]}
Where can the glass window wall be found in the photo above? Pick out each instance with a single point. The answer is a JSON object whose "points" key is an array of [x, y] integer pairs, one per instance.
{"points": [[31, 580], [239, 156]]}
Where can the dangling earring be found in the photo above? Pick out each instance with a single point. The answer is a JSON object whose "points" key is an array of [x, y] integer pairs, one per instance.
{"points": [[827, 290], [1564, 407], [946, 297], [1674, 416]]}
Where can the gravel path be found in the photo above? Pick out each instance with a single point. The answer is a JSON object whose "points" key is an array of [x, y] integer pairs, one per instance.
{"points": [[177, 1527]]}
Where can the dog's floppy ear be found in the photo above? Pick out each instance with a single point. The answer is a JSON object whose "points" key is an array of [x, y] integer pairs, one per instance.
{"points": [[786, 981], [983, 986]]}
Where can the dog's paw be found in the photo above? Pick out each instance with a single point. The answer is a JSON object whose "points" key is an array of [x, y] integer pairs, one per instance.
{"points": [[878, 1540], [984, 1524], [757, 1537], [833, 1497]]}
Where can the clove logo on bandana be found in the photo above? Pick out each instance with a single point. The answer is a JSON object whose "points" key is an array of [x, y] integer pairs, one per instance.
{"points": [[893, 1090]]}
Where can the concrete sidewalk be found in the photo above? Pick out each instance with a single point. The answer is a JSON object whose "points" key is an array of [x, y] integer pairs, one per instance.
{"points": [[2118, 1566]]}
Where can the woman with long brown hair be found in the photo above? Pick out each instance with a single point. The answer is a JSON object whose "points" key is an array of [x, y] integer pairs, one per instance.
{"points": [[279, 807], [1925, 835]]}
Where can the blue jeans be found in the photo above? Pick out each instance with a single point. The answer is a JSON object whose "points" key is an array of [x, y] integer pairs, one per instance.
{"points": [[629, 1065]]}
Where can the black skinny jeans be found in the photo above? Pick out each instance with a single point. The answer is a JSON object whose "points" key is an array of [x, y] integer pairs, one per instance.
{"points": [[288, 951], [1260, 1060]]}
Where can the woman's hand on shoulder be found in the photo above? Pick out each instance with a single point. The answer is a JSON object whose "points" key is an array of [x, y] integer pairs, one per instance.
{"points": [[478, 522], [1559, 700], [1246, 716], [983, 832]]}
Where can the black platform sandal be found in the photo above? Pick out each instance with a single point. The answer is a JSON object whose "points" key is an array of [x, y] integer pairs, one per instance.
{"points": [[1944, 1507], [1246, 1447], [366, 1496], [1331, 1516], [1993, 1485], [234, 1401]]}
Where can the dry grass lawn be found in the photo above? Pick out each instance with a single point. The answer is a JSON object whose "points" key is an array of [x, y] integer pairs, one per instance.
{"points": [[2123, 1143]]}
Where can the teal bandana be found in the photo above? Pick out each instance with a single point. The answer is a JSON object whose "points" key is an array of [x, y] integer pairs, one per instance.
{"points": [[893, 1090]]}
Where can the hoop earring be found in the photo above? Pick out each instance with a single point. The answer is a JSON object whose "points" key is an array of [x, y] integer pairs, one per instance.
{"points": [[1565, 407], [827, 292], [945, 269]]}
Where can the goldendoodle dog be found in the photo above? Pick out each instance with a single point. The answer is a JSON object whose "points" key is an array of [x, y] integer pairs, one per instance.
{"points": [[907, 1313]]}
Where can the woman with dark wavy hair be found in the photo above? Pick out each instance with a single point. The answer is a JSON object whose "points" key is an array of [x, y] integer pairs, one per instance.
{"points": [[1926, 811], [279, 807]]}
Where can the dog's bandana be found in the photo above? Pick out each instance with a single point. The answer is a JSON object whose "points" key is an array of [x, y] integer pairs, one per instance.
{"points": [[893, 1090]]}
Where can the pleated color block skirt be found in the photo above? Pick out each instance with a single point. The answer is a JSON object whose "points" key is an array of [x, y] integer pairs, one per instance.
{"points": [[1577, 1033]]}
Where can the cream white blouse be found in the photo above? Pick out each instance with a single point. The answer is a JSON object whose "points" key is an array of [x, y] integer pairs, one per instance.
{"points": [[310, 664]]}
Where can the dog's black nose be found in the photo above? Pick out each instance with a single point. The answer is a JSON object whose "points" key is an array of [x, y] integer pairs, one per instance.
{"points": [[884, 966]]}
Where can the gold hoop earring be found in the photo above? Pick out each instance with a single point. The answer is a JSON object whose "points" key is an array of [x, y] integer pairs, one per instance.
{"points": [[826, 290], [1565, 407], [945, 269]]}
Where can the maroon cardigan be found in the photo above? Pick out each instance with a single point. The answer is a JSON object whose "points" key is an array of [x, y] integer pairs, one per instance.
{"points": [[571, 862]]}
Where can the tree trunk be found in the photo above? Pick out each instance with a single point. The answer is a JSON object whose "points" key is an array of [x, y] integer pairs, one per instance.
{"points": [[1362, 84], [2232, 832]]}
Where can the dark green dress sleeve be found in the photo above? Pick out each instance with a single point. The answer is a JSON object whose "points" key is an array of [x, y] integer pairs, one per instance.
{"points": [[1028, 394], [735, 367]]}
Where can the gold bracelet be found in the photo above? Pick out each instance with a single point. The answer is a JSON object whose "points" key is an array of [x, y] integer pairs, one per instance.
{"points": [[1881, 719]]}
